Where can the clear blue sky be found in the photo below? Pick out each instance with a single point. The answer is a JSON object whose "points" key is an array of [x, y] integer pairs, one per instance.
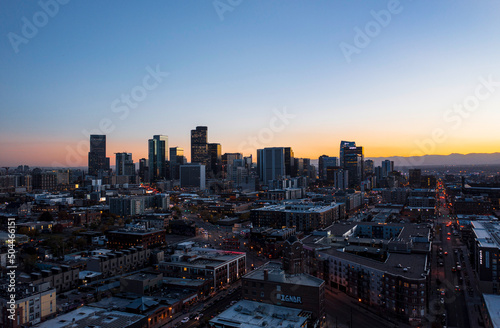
{"points": [[230, 74]]}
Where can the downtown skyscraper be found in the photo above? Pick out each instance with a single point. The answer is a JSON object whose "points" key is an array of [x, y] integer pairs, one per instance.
{"points": [[215, 159], [158, 156], [124, 164], [344, 144], [176, 160], [274, 163], [199, 147], [353, 162], [97, 160]]}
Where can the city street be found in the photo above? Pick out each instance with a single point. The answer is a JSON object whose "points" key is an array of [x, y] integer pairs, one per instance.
{"points": [[454, 276], [340, 308]]}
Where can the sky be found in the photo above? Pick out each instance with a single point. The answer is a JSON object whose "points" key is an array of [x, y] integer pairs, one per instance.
{"points": [[398, 77]]}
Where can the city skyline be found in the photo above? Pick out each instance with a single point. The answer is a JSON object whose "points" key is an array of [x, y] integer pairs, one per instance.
{"points": [[306, 77]]}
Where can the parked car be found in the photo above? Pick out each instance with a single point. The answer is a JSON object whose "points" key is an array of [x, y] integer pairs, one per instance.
{"points": [[185, 320]]}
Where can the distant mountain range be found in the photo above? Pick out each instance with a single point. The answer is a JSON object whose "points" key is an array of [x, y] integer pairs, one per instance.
{"points": [[452, 159]]}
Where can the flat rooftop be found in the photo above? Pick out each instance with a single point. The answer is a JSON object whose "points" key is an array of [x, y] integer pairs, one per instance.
{"points": [[87, 316], [487, 233], [276, 274], [409, 260], [203, 257], [249, 314], [300, 208], [184, 282], [136, 232], [493, 306], [143, 276]]}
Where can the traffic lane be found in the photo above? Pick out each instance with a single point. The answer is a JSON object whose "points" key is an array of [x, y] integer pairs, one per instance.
{"points": [[454, 300]]}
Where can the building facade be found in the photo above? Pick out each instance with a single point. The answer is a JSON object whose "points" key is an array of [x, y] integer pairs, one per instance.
{"points": [[98, 162], [158, 156]]}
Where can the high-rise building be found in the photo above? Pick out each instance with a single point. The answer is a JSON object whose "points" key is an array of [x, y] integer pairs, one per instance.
{"points": [[289, 161], [378, 174], [227, 161], [302, 167], [338, 177], [324, 162], [415, 178], [248, 163], [98, 162], [353, 163], [199, 148], [369, 166], [192, 176], [157, 149], [143, 170], [176, 160], [387, 167], [344, 144], [124, 164], [271, 163], [215, 159]]}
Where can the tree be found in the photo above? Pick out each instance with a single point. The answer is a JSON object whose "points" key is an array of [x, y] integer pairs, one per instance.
{"points": [[81, 243], [33, 233], [57, 228], [23, 230], [63, 216], [29, 262], [55, 244], [176, 209], [46, 216]]}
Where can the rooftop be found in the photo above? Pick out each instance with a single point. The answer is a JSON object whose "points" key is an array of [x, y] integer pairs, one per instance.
{"points": [[143, 276], [249, 314], [299, 208], [276, 274], [89, 316], [202, 258], [404, 256], [487, 233], [493, 307], [140, 232]]}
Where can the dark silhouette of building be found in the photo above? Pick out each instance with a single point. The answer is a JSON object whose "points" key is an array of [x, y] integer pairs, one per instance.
{"points": [[274, 163], [324, 162], [215, 159], [176, 160], [344, 144], [199, 148], [415, 178], [43, 180], [157, 149], [354, 163], [293, 256], [124, 164], [98, 162]]}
